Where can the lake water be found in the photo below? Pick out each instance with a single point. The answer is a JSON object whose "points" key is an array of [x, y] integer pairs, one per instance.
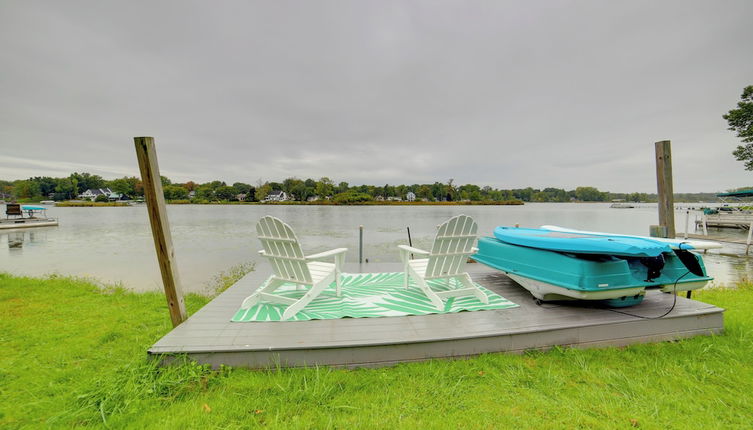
{"points": [[114, 244]]}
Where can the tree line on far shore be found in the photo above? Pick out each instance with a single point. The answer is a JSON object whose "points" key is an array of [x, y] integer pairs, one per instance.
{"points": [[130, 187]]}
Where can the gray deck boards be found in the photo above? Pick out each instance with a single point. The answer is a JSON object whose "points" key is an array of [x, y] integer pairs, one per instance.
{"points": [[209, 337]]}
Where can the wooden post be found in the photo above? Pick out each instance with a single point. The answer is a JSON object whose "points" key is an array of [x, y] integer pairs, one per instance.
{"points": [[360, 244], [163, 243], [664, 186], [750, 236]]}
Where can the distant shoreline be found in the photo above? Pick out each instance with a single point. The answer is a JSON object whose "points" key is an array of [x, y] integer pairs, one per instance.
{"points": [[294, 203], [90, 204], [368, 203]]}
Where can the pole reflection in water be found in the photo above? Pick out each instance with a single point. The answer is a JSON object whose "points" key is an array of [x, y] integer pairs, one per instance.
{"points": [[16, 239]]}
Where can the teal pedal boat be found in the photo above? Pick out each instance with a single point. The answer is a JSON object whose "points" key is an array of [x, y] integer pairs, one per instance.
{"points": [[556, 265]]}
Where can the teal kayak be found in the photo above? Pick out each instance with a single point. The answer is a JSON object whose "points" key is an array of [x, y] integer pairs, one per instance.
{"points": [[581, 243]]}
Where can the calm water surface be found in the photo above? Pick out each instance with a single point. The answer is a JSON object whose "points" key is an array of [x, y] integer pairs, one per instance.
{"points": [[114, 244]]}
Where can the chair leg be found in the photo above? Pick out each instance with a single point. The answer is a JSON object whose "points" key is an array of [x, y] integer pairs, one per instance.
{"points": [[310, 295], [253, 299], [435, 300], [468, 283]]}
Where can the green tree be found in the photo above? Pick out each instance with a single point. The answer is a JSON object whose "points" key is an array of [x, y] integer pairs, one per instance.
{"points": [[225, 193], [289, 184], [241, 188], [125, 185], [324, 187], [174, 192], [64, 189], [740, 120], [85, 181], [263, 191], [424, 192], [351, 197], [301, 192], [26, 190], [46, 185], [205, 192], [589, 194], [101, 198]]}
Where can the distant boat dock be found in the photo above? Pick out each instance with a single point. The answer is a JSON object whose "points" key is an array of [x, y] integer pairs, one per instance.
{"points": [[14, 217]]}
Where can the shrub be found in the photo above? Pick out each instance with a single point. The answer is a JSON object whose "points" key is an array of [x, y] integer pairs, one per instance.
{"points": [[351, 197]]}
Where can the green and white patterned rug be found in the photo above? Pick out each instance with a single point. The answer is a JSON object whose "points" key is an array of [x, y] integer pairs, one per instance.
{"points": [[370, 295]]}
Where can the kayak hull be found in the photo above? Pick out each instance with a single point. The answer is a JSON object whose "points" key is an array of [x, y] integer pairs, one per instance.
{"points": [[550, 275]]}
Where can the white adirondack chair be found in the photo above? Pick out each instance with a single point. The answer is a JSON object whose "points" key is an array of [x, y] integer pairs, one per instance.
{"points": [[290, 265], [446, 260]]}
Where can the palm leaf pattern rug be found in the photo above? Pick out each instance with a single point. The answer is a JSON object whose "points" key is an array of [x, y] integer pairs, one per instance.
{"points": [[371, 295]]}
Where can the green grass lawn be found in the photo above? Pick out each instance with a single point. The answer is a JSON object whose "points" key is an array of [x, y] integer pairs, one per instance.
{"points": [[73, 354]]}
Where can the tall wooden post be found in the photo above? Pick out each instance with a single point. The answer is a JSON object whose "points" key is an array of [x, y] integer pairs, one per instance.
{"points": [[664, 186], [163, 242]]}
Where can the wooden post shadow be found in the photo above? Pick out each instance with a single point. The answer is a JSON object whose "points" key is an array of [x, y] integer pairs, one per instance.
{"points": [[163, 243]]}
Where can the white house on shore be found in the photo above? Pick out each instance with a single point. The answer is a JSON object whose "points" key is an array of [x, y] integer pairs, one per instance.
{"points": [[93, 193], [277, 196], [411, 196]]}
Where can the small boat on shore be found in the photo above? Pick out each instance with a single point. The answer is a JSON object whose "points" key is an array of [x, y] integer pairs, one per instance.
{"points": [[36, 216], [617, 269]]}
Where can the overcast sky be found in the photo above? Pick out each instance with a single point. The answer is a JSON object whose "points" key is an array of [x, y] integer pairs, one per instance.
{"points": [[507, 94]]}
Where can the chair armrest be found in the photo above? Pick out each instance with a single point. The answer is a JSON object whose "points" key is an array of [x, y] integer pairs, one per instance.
{"points": [[412, 250], [326, 254], [474, 250]]}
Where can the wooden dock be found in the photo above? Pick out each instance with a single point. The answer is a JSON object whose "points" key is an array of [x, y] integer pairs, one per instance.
{"points": [[726, 220], [724, 238], [208, 336], [19, 223]]}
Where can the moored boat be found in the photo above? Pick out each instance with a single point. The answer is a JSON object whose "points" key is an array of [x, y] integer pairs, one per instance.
{"points": [[557, 265], [36, 216]]}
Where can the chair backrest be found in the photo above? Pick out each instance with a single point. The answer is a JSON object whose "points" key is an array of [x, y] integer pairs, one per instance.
{"points": [[282, 249], [452, 246], [13, 209]]}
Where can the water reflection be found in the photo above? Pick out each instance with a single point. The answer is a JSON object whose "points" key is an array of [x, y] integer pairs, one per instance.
{"points": [[17, 239]]}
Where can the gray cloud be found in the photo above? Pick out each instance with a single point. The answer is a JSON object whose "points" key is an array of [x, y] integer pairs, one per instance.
{"points": [[508, 94]]}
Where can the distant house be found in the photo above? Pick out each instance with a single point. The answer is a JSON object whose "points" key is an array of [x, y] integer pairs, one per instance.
{"points": [[191, 194], [411, 196], [93, 193], [241, 197], [312, 199], [277, 196], [379, 198], [394, 199]]}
